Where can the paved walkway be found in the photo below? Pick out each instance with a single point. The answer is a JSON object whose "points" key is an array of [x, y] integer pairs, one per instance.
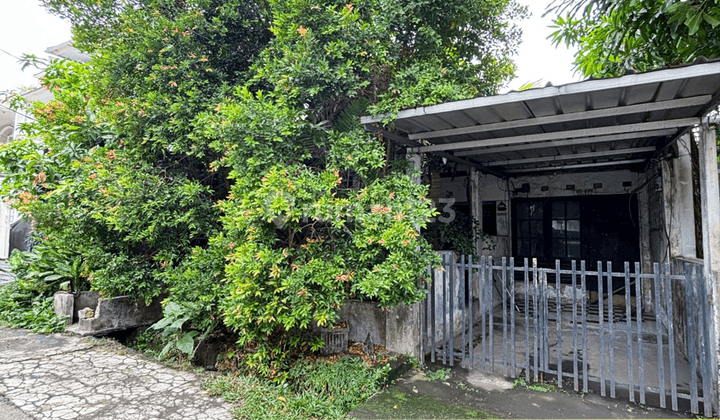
{"points": [[68, 377], [471, 394]]}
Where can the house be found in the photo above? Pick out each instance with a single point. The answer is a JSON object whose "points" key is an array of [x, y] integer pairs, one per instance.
{"points": [[605, 172]]}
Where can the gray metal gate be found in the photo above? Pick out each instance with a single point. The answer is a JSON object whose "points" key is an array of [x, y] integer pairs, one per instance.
{"points": [[648, 338]]}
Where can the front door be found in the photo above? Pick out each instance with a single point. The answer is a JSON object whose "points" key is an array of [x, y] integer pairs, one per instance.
{"points": [[590, 228]]}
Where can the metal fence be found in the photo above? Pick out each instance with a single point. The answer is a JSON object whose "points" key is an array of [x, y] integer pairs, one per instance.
{"points": [[640, 340]]}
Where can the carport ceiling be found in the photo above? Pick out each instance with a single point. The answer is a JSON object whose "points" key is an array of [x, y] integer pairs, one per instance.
{"points": [[595, 124]]}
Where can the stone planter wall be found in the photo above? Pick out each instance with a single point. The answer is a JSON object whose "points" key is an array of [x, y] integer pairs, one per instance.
{"points": [[93, 315], [398, 329]]}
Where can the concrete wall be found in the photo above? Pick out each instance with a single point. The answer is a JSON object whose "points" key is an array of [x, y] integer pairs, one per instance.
{"points": [[398, 329]]}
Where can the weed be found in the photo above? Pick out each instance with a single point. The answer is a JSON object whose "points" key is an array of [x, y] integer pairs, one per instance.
{"points": [[464, 387], [438, 375], [322, 389], [520, 382]]}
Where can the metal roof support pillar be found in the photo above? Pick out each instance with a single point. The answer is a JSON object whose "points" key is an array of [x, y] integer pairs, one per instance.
{"points": [[710, 196], [415, 159]]}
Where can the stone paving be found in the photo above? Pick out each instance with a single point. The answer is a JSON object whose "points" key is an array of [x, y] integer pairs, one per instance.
{"points": [[68, 377]]}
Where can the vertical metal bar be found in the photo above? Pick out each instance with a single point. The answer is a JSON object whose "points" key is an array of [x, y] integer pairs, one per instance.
{"points": [[541, 320], [527, 321], [705, 356], [583, 315], [546, 322], [471, 278], [558, 307], [483, 308], [535, 320], [423, 316], [601, 305], [692, 348], [462, 280], [576, 385], [671, 336], [638, 311], [451, 316], [512, 317], [658, 323], [611, 325], [628, 326], [444, 306], [503, 291], [433, 327], [491, 307]]}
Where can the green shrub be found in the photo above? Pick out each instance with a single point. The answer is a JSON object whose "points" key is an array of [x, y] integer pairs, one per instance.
{"points": [[23, 306], [212, 150]]}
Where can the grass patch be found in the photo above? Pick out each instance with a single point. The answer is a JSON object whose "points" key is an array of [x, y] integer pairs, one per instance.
{"points": [[326, 389]]}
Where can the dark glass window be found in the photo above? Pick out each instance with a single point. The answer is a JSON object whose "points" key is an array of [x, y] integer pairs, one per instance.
{"points": [[565, 225], [529, 229], [489, 221]]}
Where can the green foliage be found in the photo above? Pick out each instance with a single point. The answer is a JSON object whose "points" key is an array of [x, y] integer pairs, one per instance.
{"points": [[171, 327], [539, 387], [616, 35], [28, 302], [21, 306], [460, 234], [50, 269], [212, 150], [322, 389], [438, 375]]}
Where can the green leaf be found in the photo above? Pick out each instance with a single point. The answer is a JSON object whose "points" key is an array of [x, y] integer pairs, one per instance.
{"points": [[711, 19], [694, 23], [186, 343]]}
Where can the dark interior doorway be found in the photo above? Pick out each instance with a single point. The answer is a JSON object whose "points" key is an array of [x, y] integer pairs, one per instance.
{"points": [[590, 228]]}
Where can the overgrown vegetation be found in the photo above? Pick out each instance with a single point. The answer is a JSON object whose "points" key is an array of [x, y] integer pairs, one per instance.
{"points": [[323, 389], [28, 301], [212, 150]]}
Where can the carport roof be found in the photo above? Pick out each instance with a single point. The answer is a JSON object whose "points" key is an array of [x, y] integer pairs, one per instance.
{"points": [[613, 123]]}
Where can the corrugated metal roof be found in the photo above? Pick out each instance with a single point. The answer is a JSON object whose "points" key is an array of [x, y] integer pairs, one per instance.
{"points": [[607, 123]]}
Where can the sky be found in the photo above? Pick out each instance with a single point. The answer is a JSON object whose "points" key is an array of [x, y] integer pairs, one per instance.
{"points": [[26, 28]]}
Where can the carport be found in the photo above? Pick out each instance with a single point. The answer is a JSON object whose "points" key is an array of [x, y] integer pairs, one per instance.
{"points": [[646, 138]]}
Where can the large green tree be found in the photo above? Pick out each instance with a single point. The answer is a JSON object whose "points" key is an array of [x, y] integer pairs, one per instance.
{"points": [[615, 35], [212, 149]]}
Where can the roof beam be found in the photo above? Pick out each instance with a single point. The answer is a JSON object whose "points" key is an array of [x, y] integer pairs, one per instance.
{"points": [[571, 142], [599, 113], [392, 136], [578, 166], [587, 132], [628, 80], [572, 156], [449, 156]]}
